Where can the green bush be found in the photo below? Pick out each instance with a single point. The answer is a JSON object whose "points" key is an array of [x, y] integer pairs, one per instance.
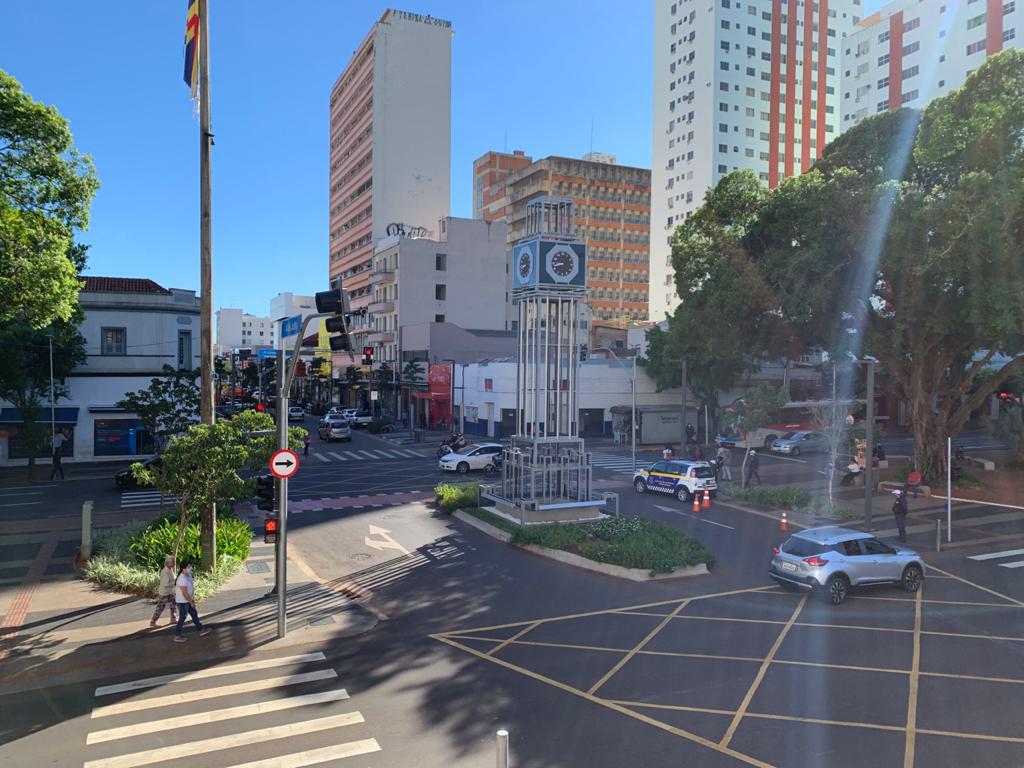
{"points": [[452, 496], [155, 542], [790, 497]]}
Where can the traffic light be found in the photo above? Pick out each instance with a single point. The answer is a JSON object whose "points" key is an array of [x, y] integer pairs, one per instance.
{"points": [[270, 530], [335, 301], [260, 407], [367, 355], [265, 493], [583, 352]]}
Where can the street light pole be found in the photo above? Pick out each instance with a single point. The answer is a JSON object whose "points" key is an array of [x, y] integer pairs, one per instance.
{"points": [[53, 408]]}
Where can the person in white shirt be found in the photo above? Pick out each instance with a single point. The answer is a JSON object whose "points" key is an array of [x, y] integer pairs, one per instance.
{"points": [[185, 596], [666, 454], [165, 593]]}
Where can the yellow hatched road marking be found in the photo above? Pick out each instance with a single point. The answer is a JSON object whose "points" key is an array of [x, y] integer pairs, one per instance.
{"points": [[1012, 600], [516, 636]]}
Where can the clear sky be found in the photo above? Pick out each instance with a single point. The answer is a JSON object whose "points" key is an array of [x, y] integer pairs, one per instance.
{"points": [[115, 72]]}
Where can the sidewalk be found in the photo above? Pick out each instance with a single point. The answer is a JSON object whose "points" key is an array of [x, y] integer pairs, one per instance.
{"points": [[71, 630]]}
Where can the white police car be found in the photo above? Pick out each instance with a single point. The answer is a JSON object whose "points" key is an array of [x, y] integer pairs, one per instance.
{"points": [[680, 478]]}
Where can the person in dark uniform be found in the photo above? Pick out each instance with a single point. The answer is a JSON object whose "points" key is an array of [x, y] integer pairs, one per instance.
{"points": [[899, 511]]}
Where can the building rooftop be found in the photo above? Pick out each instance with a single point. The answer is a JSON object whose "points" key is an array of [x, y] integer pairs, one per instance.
{"points": [[122, 285]]}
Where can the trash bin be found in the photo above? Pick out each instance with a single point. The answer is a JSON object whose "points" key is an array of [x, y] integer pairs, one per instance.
{"points": [[417, 435]]}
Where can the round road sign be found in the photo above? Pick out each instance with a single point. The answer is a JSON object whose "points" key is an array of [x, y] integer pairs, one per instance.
{"points": [[284, 463]]}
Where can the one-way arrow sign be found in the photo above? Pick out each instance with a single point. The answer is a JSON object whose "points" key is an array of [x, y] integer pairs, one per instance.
{"points": [[284, 463]]}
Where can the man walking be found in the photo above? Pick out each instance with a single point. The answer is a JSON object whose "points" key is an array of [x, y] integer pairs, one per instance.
{"points": [[723, 457], [753, 467], [186, 599], [899, 511], [58, 448]]}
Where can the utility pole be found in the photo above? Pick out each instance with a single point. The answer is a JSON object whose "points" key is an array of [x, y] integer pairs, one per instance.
{"points": [[53, 408], [869, 446], [208, 533], [282, 496], [682, 417]]}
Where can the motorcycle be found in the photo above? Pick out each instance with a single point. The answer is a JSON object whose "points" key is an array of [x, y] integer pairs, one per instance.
{"points": [[453, 444]]}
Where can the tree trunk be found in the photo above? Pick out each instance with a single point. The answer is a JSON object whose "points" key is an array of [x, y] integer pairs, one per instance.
{"points": [[743, 468], [208, 538], [929, 438]]}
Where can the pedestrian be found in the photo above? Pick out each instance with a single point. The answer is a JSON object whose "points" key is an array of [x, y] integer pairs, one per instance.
{"points": [[691, 434], [899, 511], [723, 457], [58, 448], [165, 593], [853, 470], [753, 467], [185, 596], [666, 455], [305, 444]]}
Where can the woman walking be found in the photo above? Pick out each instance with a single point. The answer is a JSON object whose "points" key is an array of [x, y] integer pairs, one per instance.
{"points": [[185, 594], [165, 593]]}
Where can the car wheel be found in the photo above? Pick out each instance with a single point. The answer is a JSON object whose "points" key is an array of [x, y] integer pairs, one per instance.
{"points": [[836, 589], [683, 493], [912, 578], [796, 450], [463, 468], [640, 486]]}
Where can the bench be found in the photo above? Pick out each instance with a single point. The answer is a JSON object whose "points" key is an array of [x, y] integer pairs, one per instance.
{"points": [[893, 485]]}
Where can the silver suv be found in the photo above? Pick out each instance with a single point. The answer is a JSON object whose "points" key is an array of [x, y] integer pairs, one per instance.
{"points": [[832, 559]]}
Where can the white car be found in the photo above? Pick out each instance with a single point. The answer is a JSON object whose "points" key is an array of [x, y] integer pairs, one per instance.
{"points": [[295, 413], [476, 456], [333, 427]]}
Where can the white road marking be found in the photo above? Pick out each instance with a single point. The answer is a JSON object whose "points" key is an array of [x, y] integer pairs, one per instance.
{"points": [[25, 487], [216, 715], [369, 454], [695, 517], [315, 756], [4, 493], [388, 454], [227, 669], [1016, 564], [411, 454], [784, 458], [338, 456], [137, 705], [994, 555], [322, 457], [353, 455], [21, 504], [202, 746]]}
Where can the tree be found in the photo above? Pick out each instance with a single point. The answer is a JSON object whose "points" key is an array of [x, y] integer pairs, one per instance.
{"points": [[830, 418], [201, 466], [25, 374], [384, 382], [412, 373], [754, 411], [46, 187], [169, 406]]}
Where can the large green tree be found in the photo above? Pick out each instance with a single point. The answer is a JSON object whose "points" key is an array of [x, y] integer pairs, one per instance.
{"points": [[46, 187], [169, 405]]}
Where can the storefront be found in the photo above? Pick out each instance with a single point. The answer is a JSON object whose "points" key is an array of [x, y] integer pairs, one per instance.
{"points": [[124, 436], [12, 432]]}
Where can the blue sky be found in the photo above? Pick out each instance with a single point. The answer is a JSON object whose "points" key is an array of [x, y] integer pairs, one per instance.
{"points": [[115, 73]]}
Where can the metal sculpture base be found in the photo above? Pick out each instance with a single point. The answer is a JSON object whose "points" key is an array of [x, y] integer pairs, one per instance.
{"points": [[546, 480]]}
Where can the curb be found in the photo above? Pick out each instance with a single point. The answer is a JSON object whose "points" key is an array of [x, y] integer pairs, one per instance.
{"points": [[568, 558]]}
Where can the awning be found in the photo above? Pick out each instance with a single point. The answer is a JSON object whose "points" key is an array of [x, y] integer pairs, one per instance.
{"points": [[430, 396], [107, 409], [65, 415]]}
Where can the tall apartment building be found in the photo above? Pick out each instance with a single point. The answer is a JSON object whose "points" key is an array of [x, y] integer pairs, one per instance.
{"points": [[237, 328], [612, 215], [753, 84], [490, 173], [914, 50], [390, 143]]}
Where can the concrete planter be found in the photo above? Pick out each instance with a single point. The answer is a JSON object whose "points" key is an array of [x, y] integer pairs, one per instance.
{"points": [[633, 574]]}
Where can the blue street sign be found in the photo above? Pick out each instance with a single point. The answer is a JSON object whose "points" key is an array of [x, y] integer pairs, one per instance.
{"points": [[268, 354], [291, 325]]}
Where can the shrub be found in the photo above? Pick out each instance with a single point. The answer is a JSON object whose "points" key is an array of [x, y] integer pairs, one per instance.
{"points": [[452, 496], [151, 545], [781, 496]]}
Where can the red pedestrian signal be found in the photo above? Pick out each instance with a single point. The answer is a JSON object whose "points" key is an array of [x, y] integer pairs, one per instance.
{"points": [[270, 530], [259, 407]]}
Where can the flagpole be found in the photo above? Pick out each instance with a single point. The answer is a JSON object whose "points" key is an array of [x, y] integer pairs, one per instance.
{"points": [[206, 413]]}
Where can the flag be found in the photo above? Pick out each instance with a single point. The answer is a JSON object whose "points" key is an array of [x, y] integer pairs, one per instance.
{"points": [[192, 47]]}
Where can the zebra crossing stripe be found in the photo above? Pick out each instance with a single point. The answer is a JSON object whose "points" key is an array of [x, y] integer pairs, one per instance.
{"points": [[368, 454], [353, 455], [995, 555], [202, 746], [316, 756], [1015, 564], [322, 457], [338, 456]]}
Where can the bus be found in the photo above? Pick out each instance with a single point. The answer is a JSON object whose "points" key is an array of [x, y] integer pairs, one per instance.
{"points": [[794, 416]]}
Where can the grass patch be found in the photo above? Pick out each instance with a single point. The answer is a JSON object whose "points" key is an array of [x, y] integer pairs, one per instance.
{"points": [[791, 497], [452, 496], [630, 542]]}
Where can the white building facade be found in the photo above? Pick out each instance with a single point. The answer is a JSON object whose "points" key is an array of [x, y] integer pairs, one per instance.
{"points": [[287, 311], [132, 328], [236, 328], [750, 84], [914, 50]]}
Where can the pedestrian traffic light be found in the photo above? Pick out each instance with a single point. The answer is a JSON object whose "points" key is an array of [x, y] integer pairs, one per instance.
{"points": [[270, 530], [583, 352], [335, 302], [367, 355], [265, 493], [259, 407]]}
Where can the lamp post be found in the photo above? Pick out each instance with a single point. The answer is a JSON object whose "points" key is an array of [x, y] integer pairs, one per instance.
{"points": [[632, 394], [869, 429]]}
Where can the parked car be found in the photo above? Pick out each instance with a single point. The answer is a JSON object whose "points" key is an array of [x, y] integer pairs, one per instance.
{"points": [[796, 443], [476, 456], [125, 480], [360, 419], [831, 559], [680, 478], [295, 413], [334, 427]]}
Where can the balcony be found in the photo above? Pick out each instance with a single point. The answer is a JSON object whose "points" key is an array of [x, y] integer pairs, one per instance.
{"points": [[381, 307], [382, 277], [380, 337]]}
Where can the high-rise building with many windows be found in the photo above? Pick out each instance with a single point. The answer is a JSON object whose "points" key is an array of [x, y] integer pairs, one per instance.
{"points": [[752, 84], [390, 145]]}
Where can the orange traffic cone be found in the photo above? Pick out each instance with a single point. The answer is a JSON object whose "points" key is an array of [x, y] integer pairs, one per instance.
{"points": [[783, 522], [707, 499], [696, 502]]}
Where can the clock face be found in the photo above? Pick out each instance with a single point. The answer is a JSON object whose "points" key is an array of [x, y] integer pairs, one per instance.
{"points": [[525, 264], [563, 263]]}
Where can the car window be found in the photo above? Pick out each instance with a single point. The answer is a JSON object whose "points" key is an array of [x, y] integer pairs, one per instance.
{"points": [[802, 547], [660, 466], [850, 548], [702, 472], [493, 449], [876, 547]]}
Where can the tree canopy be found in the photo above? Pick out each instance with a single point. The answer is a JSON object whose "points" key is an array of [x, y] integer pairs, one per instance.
{"points": [[169, 405], [46, 187]]}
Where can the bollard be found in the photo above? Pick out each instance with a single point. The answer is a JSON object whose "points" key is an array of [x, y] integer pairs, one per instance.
{"points": [[502, 748], [86, 550], [938, 535]]}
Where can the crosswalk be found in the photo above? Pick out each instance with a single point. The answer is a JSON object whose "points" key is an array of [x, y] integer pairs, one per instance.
{"points": [[1006, 553], [145, 498], [269, 707], [326, 454], [619, 464]]}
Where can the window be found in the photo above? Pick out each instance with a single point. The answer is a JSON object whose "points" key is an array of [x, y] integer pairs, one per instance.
{"points": [[723, 128], [908, 96], [112, 341], [883, 83], [1009, 7], [976, 21], [876, 547], [883, 37], [912, 48], [440, 291], [912, 24], [976, 47], [441, 262], [184, 350], [883, 60], [910, 72], [882, 106], [438, 318]]}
